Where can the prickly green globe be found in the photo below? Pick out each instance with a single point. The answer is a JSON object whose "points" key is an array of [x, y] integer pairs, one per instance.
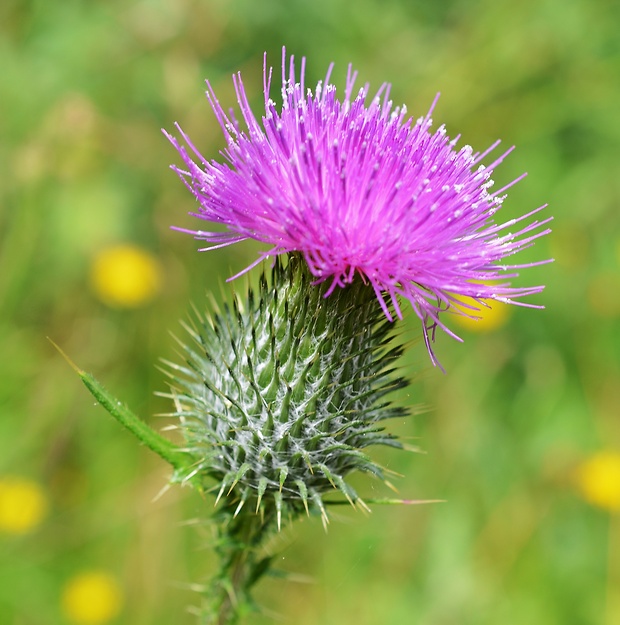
{"points": [[282, 393]]}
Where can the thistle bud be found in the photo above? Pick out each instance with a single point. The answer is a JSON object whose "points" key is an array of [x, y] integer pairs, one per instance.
{"points": [[282, 393]]}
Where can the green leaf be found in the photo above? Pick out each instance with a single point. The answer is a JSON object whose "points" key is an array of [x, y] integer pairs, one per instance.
{"points": [[180, 460]]}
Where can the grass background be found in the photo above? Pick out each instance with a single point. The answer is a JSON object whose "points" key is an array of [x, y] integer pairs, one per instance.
{"points": [[85, 88]]}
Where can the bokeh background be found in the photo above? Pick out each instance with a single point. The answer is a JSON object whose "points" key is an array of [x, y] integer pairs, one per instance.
{"points": [[522, 437]]}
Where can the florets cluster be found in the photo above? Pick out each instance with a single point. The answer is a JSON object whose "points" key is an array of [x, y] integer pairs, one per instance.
{"points": [[360, 189]]}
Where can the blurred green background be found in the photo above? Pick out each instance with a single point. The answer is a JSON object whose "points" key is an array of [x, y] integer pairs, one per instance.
{"points": [[523, 436]]}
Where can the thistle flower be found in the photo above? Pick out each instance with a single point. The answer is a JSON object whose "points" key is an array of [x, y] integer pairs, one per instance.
{"points": [[279, 396], [360, 189]]}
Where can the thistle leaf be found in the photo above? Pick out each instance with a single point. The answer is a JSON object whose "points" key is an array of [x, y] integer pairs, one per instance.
{"points": [[180, 460]]}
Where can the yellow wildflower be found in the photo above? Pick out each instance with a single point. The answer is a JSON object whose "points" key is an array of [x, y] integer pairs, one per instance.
{"points": [[604, 294], [92, 598], [598, 480], [23, 505], [125, 276], [492, 315]]}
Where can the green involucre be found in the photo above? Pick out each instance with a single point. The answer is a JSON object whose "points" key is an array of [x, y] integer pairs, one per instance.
{"points": [[282, 393]]}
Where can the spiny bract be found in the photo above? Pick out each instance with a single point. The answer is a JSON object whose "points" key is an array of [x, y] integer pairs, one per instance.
{"points": [[280, 395]]}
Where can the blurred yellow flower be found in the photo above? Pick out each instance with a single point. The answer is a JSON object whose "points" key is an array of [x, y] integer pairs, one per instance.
{"points": [[23, 505], [604, 294], [92, 598], [125, 276], [570, 245], [598, 480], [492, 315]]}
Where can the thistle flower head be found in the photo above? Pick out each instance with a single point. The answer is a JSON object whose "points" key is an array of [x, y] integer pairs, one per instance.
{"points": [[360, 189]]}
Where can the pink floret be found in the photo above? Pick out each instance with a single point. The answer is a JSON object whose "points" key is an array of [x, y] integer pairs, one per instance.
{"points": [[359, 188]]}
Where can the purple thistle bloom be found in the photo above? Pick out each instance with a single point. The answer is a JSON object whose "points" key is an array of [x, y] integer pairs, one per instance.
{"points": [[358, 188]]}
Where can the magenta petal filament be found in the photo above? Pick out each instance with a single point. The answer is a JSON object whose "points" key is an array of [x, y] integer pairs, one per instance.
{"points": [[360, 189]]}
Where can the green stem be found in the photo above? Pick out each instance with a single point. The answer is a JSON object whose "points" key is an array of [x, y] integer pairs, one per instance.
{"points": [[240, 540]]}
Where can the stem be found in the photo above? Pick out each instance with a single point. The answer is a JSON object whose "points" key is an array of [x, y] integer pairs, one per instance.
{"points": [[240, 540]]}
